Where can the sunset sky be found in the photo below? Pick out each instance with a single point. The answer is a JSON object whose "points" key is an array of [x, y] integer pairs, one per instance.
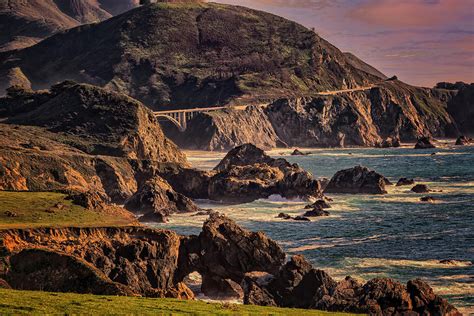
{"points": [[420, 41]]}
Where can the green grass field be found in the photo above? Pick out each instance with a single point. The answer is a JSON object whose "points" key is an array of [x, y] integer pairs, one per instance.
{"points": [[47, 209], [25, 302]]}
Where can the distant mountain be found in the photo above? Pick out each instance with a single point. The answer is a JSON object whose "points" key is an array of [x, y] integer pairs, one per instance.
{"points": [[191, 54], [26, 22]]}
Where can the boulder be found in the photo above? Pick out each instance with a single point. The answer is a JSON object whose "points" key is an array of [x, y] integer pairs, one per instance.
{"points": [[302, 219], [320, 204], [389, 142], [218, 288], [357, 180], [429, 199], [424, 143], [4, 284], [284, 216], [421, 188], [297, 152], [463, 141], [405, 181], [316, 212], [156, 199]]}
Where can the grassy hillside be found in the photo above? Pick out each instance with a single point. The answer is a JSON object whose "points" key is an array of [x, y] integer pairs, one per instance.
{"points": [[46, 209], [23, 302]]}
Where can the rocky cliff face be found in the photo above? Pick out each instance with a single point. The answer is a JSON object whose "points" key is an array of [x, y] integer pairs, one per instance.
{"points": [[461, 107], [174, 55], [222, 131]]}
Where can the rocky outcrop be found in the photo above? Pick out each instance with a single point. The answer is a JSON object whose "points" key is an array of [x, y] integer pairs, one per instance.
{"points": [[405, 181], [464, 141], [357, 180], [421, 188], [224, 251], [156, 200], [93, 120], [227, 129], [246, 173], [424, 143], [300, 285], [298, 152]]}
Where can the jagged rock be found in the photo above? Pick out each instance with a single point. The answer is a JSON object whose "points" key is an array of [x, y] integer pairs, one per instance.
{"points": [[219, 288], [246, 173], [91, 200], [254, 284], [316, 212], [156, 199], [405, 181], [357, 180], [424, 143], [284, 216], [298, 284], [43, 270], [320, 204], [421, 188], [463, 141], [429, 199], [461, 109], [389, 142], [297, 152], [224, 251], [301, 219]]}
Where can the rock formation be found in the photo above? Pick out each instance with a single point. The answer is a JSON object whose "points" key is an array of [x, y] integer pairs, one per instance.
{"points": [[299, 285], [461, 107], [424, 143], [246, 173], [463, 141], [405, 181], [421, 188], [156, 200], [357, 180]]}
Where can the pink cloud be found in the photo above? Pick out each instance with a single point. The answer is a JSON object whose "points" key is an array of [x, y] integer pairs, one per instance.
{"points": [[411, 13]]}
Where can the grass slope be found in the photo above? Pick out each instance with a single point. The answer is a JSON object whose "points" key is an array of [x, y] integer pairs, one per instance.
{"points": [[40, 209], [25, 302]]}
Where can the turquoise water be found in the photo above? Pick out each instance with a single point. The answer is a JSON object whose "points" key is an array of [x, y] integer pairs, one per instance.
{"points": [[394, 235]]}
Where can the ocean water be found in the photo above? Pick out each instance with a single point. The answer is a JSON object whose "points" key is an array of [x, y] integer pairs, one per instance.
{"points": [[394, 235]]}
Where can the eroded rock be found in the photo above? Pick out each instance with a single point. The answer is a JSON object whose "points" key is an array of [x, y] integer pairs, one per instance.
{"points": [[424, 143], [357, 180]]}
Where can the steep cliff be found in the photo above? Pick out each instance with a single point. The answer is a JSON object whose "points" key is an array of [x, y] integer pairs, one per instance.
{"points": [[461, 107], [224, 130]]}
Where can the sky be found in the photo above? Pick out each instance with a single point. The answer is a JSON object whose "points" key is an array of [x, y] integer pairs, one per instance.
{"points": [[421, 41]]}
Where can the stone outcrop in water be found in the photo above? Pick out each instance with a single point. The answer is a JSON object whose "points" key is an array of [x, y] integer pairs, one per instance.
{"points": [[421, 188], [405, 181], [246, 172], [464, 141], [299, 285], [357, 180], [424, 143]]}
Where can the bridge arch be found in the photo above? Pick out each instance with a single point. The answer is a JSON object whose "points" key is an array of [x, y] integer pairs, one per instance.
{"points": [[172, 120]]}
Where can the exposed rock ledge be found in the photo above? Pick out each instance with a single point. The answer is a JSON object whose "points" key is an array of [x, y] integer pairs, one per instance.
{"points": [[154, 263]]}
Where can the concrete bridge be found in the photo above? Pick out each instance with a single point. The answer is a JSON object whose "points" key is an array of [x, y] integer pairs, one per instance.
{"points": [[181, 117]]}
